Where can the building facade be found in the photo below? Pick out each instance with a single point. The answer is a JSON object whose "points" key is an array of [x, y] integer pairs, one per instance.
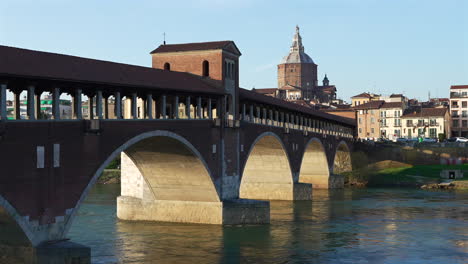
{"points": [[459, 110], [368, 120], [426, 122], [390, 119]]}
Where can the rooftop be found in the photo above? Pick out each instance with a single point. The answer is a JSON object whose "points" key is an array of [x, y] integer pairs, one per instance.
{"points": [[459, 87], [227, 45], [425, 112], [17, 62], [392, 105], [260, 98]]}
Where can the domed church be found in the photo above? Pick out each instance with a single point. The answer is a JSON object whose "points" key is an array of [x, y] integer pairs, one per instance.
{"points": [[297, 77]]}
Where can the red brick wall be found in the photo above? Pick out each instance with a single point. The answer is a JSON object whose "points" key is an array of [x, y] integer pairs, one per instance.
{"points": [[191, 61]]}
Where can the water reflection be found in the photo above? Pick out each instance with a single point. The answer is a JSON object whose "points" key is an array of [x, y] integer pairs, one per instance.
{"points": [[346, 226]]}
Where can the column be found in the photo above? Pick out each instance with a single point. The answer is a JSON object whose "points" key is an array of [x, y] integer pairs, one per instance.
{"points": [[287, 120], [37, 104], [149, 106], [118, 105], [210, 109], [276, 117], [264, 116], [106, 107], [3, 106], [199, 109], [56, 103], [134, 106], [91, 106], [99, 104], [163, 107], [243, 112], [30, 105], [17, 102], [270, 114], [77, 105], [176, 107], [258, 114], [251, 113], [187, 107]]}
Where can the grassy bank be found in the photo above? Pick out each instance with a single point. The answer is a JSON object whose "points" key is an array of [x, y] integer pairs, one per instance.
{"points": [[391, 173], [109, 176]]}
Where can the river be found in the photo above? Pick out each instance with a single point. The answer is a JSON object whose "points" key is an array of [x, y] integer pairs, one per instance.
{"points": [[343, 226]]}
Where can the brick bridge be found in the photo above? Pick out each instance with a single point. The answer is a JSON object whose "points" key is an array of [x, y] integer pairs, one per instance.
{"points": [[194, 146]]}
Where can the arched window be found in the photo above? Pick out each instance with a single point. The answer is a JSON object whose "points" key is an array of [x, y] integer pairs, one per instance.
{"points": [[206, 68], [167, 66]]}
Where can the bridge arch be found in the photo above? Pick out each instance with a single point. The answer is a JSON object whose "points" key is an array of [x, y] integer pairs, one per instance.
{"points": [[172, 168], [342, 160], [314, 165], [14, 229], [267, 172]]}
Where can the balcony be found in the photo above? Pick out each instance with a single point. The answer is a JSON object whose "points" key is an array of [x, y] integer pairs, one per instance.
{"points": [[458, 95]]}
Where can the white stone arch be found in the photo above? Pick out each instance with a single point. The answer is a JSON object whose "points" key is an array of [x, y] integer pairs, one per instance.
{"points": [[7, 210], [314, 165], [342, 160], [157, 133], [267, 173]]}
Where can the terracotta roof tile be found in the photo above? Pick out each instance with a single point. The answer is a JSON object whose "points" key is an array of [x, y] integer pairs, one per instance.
{"points": [[425, 112], [18, 62], [370, 105], [265, 90], [213, 45], [459, 87], [392, 105], [260, 98]]}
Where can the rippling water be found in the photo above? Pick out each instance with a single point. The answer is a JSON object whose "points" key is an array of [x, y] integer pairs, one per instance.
{"points": [[345, 226]]}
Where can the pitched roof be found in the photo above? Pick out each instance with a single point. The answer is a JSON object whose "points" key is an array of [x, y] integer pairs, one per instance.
{"points": [[459, 87], [425, 112], [260, 98], [227, 45], [290, 87], [265, 90], [396, 95], [364, 95], [26, 63], [370, 105], [392, 105]]}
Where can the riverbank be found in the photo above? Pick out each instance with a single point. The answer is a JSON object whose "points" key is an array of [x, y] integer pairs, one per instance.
{"points": [[109, 176], [397, 174]]}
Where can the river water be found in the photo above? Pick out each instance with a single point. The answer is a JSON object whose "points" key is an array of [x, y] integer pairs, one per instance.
{"points": [[344, 226]]}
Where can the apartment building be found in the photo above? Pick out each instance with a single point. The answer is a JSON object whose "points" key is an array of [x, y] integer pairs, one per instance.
{"points": [[390, 119], [426, 122], [368, 120], [459, 110]]}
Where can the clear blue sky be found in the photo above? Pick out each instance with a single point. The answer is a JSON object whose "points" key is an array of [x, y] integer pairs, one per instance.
{"points": [[363, 45]]}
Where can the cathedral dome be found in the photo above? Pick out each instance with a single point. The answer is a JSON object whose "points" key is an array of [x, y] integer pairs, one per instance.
{"points": [[296, 53]]}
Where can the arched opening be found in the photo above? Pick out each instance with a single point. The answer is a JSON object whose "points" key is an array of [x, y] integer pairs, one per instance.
{"points": [[314, 165], [206, 68], [163, 178], [167, 66], [342, 162], [267, 174], [15, 245]]}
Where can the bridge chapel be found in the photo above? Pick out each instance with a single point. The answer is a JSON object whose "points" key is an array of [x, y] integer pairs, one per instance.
{"points": [[217, 62]]}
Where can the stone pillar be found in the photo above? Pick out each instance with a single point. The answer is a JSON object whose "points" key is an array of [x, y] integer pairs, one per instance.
{"points": [[264, 116], [118, 105], [175, 109], [210, 109], [134, 106], [56, 103], [91, 106], [149, 105], [99, 104], [187, 107], [3, 106], [258, 114], [251, 113], [106, 107], [199, 108], [243, 112], [30, 105], [17, 104], [163, 107], [77, 104], [37, 110]]}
